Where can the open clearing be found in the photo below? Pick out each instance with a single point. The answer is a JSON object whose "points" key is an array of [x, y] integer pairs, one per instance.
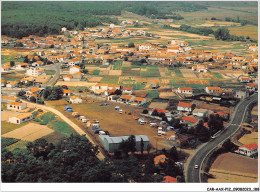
{"points": [[110, 120], [75, 83], [249, 138], [202, 82], [29, 132], [233, 168], [188, 73], [159, 105]]}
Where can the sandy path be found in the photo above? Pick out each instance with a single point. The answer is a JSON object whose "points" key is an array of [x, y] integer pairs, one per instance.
{"points": [[67, 120]]}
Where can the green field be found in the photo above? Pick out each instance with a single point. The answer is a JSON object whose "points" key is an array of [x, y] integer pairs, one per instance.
{"points": [[49, 72], [62, 128], [117, 65], [109, 80], [130, 73], [153, 94], [20, 144], [218, 75], [150, 72], [96, 72], [7, 127], [8, 141]]}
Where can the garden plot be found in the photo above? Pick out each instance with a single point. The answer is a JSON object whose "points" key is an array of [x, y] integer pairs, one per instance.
{"points": [[75, 83], [126, 64], [158, 105], [94, 79], [104, 72], [29, 132], [115, 72], [202, 82], [188, 73]]}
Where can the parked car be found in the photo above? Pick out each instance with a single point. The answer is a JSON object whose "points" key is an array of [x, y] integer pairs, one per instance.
{"points": [[95, 121]]}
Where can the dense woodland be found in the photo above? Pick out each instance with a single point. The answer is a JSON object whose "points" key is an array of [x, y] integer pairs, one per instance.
{"points": [[73, 159]]}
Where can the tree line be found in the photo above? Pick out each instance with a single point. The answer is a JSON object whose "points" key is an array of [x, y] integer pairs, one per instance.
{"points": [[73, 159]]}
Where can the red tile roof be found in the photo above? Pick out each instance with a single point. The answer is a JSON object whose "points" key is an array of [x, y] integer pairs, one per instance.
{"points": [[250, 146], [189, 119], [168, 179], [183, 104]]}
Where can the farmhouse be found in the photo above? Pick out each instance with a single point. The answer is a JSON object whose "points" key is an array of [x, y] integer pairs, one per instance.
{"points": [[3, 82], [167, 113], [154, 84], [126, 98], [127, 90], [5, 68], [75, 99], [244, 79], [6, 99], [183, 106], [12, 84], [201, 112], [242, 94], [248, 149], [22, 66], [213, 90], [32, 92], [74, 69], [21, 118], [111, 144], [139, 100], [16, 105], [185, 90], [189, 121], [27, 79], [66, 92], [200, 68], [144, 47], [37, 64]]}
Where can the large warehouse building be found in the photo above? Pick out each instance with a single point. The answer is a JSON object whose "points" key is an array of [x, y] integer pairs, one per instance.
{"points": [[111, 144]]}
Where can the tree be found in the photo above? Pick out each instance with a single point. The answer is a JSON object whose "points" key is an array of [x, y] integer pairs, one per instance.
{"points": [[128, 145], [32, 99], [145, 111], [125, 58], [222, 34], [173, 154], [131, 54], [155, 113], [28, 84], [12, 63], [21, 93], [118, 92], [131, 44], [85, 71], [142, 146]]}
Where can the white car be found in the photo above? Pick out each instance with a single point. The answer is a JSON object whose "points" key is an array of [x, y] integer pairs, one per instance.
{"points": [[196, 166]]}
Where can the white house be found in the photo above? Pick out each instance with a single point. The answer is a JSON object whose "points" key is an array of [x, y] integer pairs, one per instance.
{"points": [[35, 72], [144, 47], [201, 112], [32, 92], [185, 90], [5, 67], [74, 69], [6, 99], [248, 149], [242, 94], [100, 86], [16, 106], [21, 66], [66, 92], [37, 64], [127, 90], [21, 118], [67, 77], [12, 84], [75, 99], [200, 68], [139, 100], [126, 98], [182, 106], [3, 82], [244, 79], [213, 90], [251, 87]]}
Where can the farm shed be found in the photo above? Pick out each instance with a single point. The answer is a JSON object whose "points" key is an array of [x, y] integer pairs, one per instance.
{"points": [[111, 144], [21, 118]]}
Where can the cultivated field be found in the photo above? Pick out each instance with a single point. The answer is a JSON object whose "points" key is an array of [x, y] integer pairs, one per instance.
{"points": [[249, 138], [29, 132], [74, 83], [159, 105], [188, 73], [232, 168]]}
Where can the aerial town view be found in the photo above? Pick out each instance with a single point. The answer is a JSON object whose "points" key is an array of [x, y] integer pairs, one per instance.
{"points": [[129, 92]]}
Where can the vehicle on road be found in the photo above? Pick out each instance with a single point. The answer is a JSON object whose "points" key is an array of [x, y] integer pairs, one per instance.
{"points": [[196, 167]]}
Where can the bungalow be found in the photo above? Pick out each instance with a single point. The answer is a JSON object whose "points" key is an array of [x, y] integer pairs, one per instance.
{"points": [[110, 87], [12, 84], [139, 100], [75, 99], [154, 84], [100, 86], [77, 75], [199, 68], [189, 121], [112, 98], [213, 90], [182, 106], [6, 99], [32, 92], [67, 77], [251, 87], [159, 159], [126, 98], [74, 69], [201, 112], [27, 79], [3, 82], [248, 149], [21, 118], [245, 80], [22, 66], [185, 90], [242, 94], [127, 90], [37, 64], [16, 105], [35, 72], [66, 92], [144, 47], [109, 92]]}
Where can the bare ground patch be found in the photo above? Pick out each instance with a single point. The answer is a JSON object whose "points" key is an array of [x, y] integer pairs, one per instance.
{"points": [[75, 83], [115, 72], [159, 105], [188, 73]]}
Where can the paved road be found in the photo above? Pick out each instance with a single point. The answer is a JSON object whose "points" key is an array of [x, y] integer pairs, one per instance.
{"points": [[55, 67], [193, 175], [67, 120]]}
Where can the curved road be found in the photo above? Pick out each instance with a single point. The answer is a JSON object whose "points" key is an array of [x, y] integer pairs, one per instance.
{"points": [[194, 175], [55, 67], [67, 120]]}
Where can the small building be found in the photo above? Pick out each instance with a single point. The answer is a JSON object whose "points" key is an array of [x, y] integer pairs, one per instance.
{"points": [[183, 106], [201, 112], [154, 84], [139, 100], [167, 113], [74, 69], [75, 99], [13, 84], [185, 90], [66, 92], [22, 66], [127, 90], [248, 149], [3, 82], [242, 94], [32, 92], [67, 77], [16, 106], [6, 99], [21, 118], [245, 80], [35, 72], [126, 98], [111, 144], [211, 90], [251, 87], [189, 121], [200, 68]]}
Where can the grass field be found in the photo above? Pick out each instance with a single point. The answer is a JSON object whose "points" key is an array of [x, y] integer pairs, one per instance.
{"points": [[8, 141], [49, 72], [96, 72], [151, 72], [117, 65], [6, 58], [7, 127], [153, 94], [62, 128], [110, 80], [130, 73]]}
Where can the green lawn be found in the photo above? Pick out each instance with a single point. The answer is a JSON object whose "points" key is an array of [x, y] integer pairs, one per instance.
{"points": [[5, 58], [50, 72], [110, 80], [117, 65], [62, 128], [7, 127], [153, 94], [96, 72], [126, 68]]}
